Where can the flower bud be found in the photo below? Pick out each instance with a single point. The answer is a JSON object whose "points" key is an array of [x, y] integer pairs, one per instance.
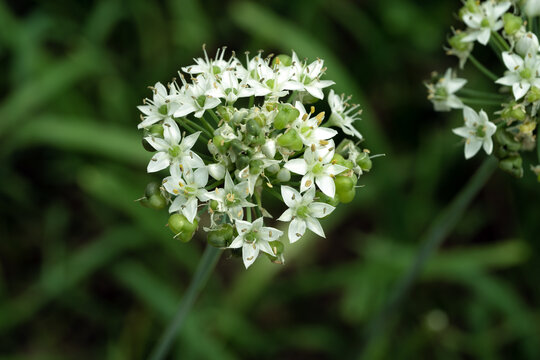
{"points": [[217, 171], [239, 116], [286, 115], [272, 169], [255, 166], [338, 159], [153, 198], [345, 187], [225, 112], [533, 95], [527, 44], [221, 237], [364, 161], [290, 140], [512, 165], [512, 23], [269, 148], [253, 127], [220, 143], [284, 175], [181, 227], [282, 59]]}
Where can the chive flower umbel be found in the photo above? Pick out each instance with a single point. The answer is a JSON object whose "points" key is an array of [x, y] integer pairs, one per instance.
{"points": [[502, 121], [225, 134]]}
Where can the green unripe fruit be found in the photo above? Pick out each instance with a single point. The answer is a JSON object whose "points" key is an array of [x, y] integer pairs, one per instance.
{"points": [[533, 95], [258, 139], [253, 127], [364, 162], [272, 169], [221, 237], [181, 227], [512, 23], [282, 59], [286, 115], [242, 161], [157, 202], [344, 146], [220, 143], [290, 140], [225, 112], [214, 205], [327, 199], [506, 140], [345, 187], [340, 160], [283, 175], [512, 165], [255, 167], [236, 146], [151, 189]]}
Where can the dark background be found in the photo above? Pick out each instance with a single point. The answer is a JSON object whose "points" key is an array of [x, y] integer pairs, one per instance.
{"points": [[86, 273]]}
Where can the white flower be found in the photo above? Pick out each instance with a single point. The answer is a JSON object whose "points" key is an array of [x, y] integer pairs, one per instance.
{"points": [[309, 76], [273, 81], [303, 212], [477, 131], [231, 198], [159, 108], [316, 168], [256, 167], [482, 23], [343, 115], [521, 74], [210, 66], [172, 149], [193, 97], [253, 238], [308, 128], [442, 95], [532, 8], [227, 86], [527, 45], [188, 186]]}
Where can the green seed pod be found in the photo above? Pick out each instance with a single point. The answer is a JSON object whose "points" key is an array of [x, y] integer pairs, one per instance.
{"points": [[272, 169], [512, 165], [255, 167], [512, 23], [283, 59], [237, 146], [286, 115], [221, 237], [503, 138], [277, 247], [327, 199], [253, 127], [283, 175], [290, 140], [344, 146], [220, 143], [214, 205], [338, 159], [345, 187], [242, 161], [364, 161], [238, 116], [533, 95], [182, 228], [151, 189], [225, 112]]}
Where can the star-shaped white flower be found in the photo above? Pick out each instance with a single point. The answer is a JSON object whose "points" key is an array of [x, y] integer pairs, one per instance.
{"points": [[317, 168], [253, 171], [309, 76], [253, 238], [231, 198], [303, 212], [209, 66], [193, 97], [442, 94], [188, 186], [227, 86], [477, 132], [486, 20], [521, 74], [343, 114], [308, 128], [159, 108], [172, 149], [273, 81]]}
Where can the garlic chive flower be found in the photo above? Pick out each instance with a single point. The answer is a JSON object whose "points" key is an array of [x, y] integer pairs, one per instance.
{"points": [[442, 93], [477, 132], [522, 73], [303, 212], [227, 135], [482, 22], [253, 238]]}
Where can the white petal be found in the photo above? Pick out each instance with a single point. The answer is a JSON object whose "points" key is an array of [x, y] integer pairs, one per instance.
{"points": [[249, 254], [488, 145], [290, 196], [158, 162], [315, 226], [177, 204], [324, 133], [326, 184], [462, 131], [237, 242], [319, 209], [171, 132], [297, 166], [509, 79], [190, 209], [483, 36], [189, 141], [270, 234], [217, 171], [242, 226], [157, 143], [512, 61], [471, 147], [520, 89], [297, 228], [286, 216], [201, 177], [265, 247]]}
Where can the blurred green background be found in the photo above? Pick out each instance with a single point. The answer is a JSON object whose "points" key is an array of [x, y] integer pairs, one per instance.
{"points": [[86, 273]]}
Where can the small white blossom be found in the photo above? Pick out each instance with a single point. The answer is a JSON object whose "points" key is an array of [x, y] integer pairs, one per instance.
{"points": [[172, 149], [227, 86], [488, 19], [343, 114], [317, 168], [442, 94], [309, 76], [188, 186], [231, 198], [303, 212], [253, 238], [527, 45], [208, 66], [308, 127], [477, 132], [521, 74], [194, 99], [273, 81], [159, 108]]}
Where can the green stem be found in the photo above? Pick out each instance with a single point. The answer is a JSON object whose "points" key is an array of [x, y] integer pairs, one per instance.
{"points": [[207, 124], [202, 273], [480, 93], [198, 127], [538, 144], [214, 185], [214, 116], [470, 101], [191, 130], [496, 47], [251, 102], [434, 237], [501, 41], [482, 68]]}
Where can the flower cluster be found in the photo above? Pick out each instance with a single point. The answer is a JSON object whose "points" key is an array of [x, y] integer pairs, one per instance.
{"points": [[228, 134], [510, 29]]}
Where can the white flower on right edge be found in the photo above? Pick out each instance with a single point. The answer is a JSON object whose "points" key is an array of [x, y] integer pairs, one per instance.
{"points": [[253, 238], [521, 74], [477, 132], [343, 115], [442, 94], [486, 20], [303, 212]]}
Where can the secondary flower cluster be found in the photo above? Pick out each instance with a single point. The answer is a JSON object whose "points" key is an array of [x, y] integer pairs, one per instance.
{"points": [[228, 134], [510, 29]]}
